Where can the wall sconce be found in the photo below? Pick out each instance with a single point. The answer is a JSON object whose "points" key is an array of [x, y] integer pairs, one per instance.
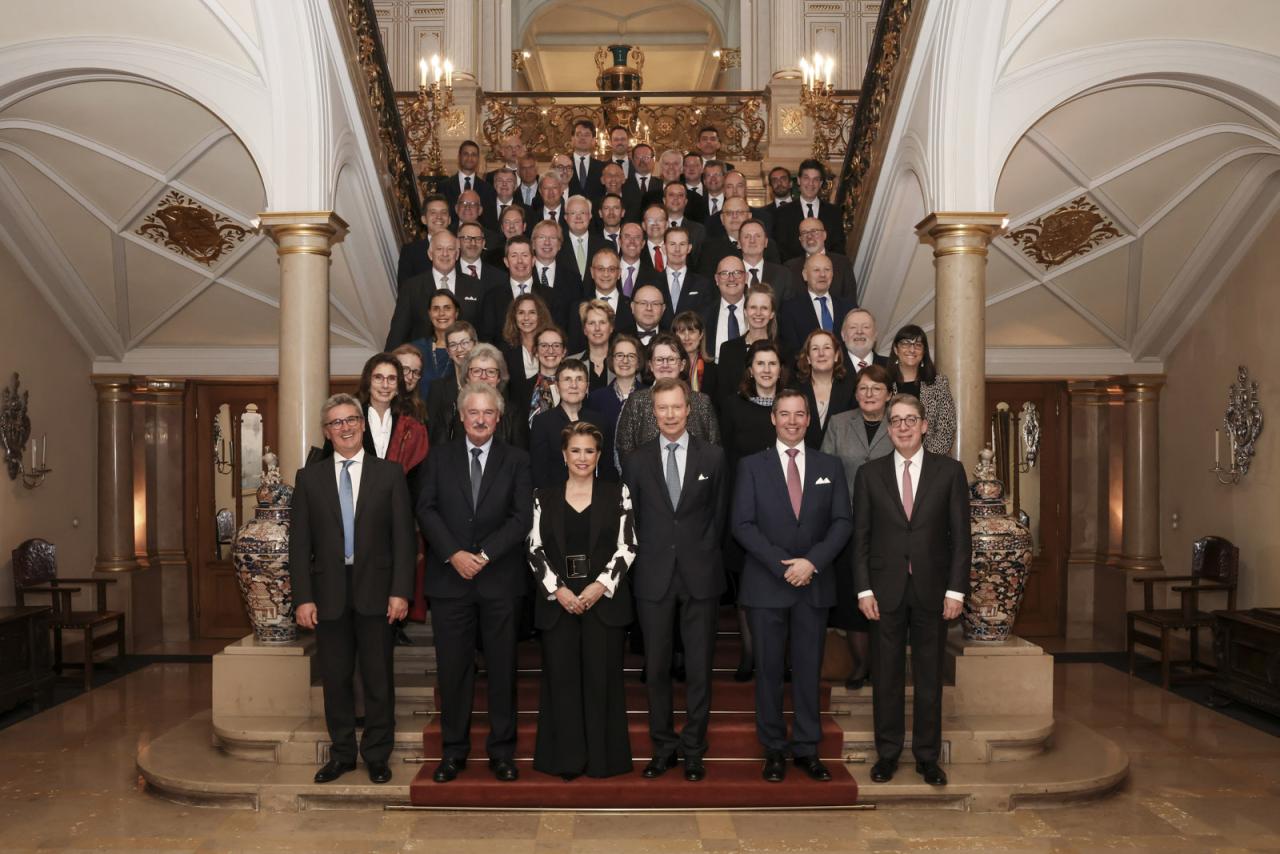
{"points": [[518, 58], [1243, 421], [15, 429]]}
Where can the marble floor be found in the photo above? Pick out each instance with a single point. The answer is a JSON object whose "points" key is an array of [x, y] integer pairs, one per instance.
{"points": [[1199, 782]]}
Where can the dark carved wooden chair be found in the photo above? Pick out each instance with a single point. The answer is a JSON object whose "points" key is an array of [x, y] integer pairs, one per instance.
{"points": [[1215, 564], [35, 570]]}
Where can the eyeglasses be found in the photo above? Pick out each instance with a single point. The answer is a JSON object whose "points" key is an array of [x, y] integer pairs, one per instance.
{"points": [[460, 345], [484, 373], [810, 232], [625, 357], [648, 303], [908, 420], [550, 345], [731, 274], [411, 373], [910, 344], [384, 379], [872, 389], [468, 204], [349, 421], [479, 238], [666, 360], [605, 269]]}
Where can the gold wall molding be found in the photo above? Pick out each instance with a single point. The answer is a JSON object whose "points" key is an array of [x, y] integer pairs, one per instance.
{"points": [[182, 225], [1068, 231]]}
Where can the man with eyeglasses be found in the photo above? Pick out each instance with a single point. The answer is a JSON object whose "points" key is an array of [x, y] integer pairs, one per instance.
{"points": [[467, 179], [352, 582], [413, 255], [411, 320], [813, 238], [911, 559], [442, 395], [472, 243], [581, 243], [727, 320], [469, 208], [603, 285], [647, 305], [549, 205], [815, 308], [735, 213], [788, 219]]}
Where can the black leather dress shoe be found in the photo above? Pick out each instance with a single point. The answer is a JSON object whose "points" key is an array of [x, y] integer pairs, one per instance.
{"points": [[448, 769], [813, 766], [659, 766], [775, 767], [379, 772], [694, 770], [505, 770], [400, 637], [882, 771], [932, 774], [743, 674], [332, 770], [852, 684]]}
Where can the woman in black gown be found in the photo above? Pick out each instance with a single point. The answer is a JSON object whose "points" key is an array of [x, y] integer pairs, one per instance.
{"points": [[580, 546]]}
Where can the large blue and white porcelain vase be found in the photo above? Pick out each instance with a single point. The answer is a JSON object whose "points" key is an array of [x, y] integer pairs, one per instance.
{"points": [[261, 555], [1001, 555]]}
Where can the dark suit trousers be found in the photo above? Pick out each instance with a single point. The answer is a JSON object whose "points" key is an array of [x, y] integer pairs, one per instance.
{"points": [[924, 628], [769, 630], [338, 644], [456, 622], [698, 619]]}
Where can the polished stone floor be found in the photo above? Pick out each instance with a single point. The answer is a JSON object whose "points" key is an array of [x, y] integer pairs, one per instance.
{"points": [[1200, 782]]}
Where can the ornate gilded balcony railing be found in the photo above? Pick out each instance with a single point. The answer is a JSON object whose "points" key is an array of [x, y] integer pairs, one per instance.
{"points": [[545, 120], [364, 46], [890, 59]]}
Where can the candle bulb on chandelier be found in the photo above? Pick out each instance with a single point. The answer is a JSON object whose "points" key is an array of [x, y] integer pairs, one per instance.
{"points": [[44, 451], [1217, 452], [422, 72], [448, 73]]}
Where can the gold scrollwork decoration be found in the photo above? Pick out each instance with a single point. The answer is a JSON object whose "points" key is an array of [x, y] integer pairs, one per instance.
{"points": [[1070, 230], [183, 225]]}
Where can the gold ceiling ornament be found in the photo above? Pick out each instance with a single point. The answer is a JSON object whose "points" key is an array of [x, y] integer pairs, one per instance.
{"points": [[1073, 229], [183, 225]]}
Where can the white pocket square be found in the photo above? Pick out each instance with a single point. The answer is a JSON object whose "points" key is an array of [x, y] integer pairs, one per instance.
{"points": [[702, 477], [822, 481], [469, 299]]}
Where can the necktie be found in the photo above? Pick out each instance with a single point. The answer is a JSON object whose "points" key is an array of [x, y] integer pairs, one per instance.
{"points": [[630, 283], [673, 475], [347, 499], [793, 481], [472, 269], [468, 182], [657, 259], [732, 325], [444, 282], [755, 276], [524, 288], [612, 238], [543, 278], [477, 474], [502, 206], [862, 363], [673, 224], [582, 170], [810, 210], [607, 298], [908, 500], [644, 185], [675, 289], [551, 215], [826, 314], [580, 254], [715, 207], [622, 163]]}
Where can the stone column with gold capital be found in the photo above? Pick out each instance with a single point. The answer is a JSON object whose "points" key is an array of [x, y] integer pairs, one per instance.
{"points": [[303, 243], [959, 343], [1140, 540], [116, 551]]}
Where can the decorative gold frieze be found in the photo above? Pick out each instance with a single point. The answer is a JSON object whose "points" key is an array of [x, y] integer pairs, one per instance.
{"points": [[791, 120], [183, 225], [1073, 229]]}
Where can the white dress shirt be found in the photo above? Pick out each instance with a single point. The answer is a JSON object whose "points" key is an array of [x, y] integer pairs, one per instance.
{"points": [[610, 299], [913, 472], [557, 210], [440, 280], [758, 267], [462, 181], [817, 308], [722, 323], [538, 267], [782, 449], [357, 465], [682, 454], [516, 286], [484, 453], [806, 203], [715, 204], [380, 429], [853, 359]]}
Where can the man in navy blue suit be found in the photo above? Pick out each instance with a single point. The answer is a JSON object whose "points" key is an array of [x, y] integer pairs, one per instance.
{"points": [[791, 513], [814, 308]]}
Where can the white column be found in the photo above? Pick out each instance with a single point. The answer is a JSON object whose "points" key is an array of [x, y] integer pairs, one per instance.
{"points": [[787, 21], [461, 20]]}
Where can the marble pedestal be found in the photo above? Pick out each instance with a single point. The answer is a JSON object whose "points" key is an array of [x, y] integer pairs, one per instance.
{"points": [[251, 679]]}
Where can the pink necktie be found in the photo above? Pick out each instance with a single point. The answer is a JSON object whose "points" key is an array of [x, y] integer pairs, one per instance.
{"points": [[861, 364], [793, 481], [907, 499], [472, 268]]}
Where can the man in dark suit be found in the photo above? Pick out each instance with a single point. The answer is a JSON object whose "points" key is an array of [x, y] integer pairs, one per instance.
{"points": [[351, 556], [580, 244], [813, 308], [780, 194], [791, 515], [754, 241], [518, 255], [725, 318], [586, 169], [787, 221], [911, 556], [679, 491], [691, 177], [813, 238], [504, 188], [510, 149], [612, 180], [682, 289], [735, 213], [473, 243], [467, 179], [560, 284], [609, 221], [643, 187], [675, 200], [709, 145], [411, 319], [549, 204], [413, 255], [475, 510], [858, 332], [647, 311], [602, 284], [635, 269]]}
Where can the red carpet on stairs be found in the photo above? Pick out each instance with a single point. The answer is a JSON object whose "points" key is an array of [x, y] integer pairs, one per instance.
{"points": [[733, 761]]}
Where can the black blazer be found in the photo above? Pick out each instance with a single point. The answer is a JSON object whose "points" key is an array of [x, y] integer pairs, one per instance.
{"points": [[786, 228], [696, 292], [411, 319], [413, 259], [497, 525], [843, 284], [778, 277], [613, 548], [730, 366], [386, 543], [634, 202], [595, 168], [796, 319], [452, 189], [770, 532], [546, 461], [491, 276], [686, 538], [595, 242], [935, 541], [842, 400]]}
